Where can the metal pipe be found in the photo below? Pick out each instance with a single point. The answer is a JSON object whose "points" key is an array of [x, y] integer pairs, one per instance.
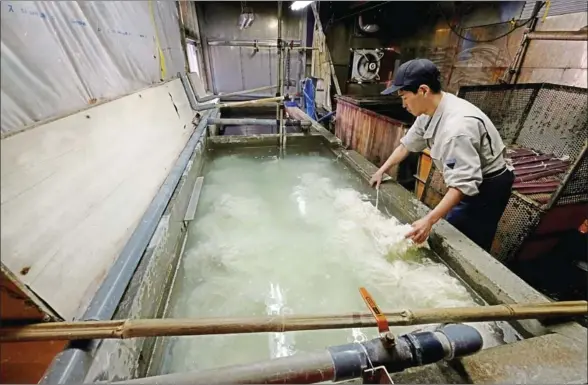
{"points": [[340, 363], [72, 364], [210, 106], [270, 44], [558, 35], [279, 108], [257, 122], [251, 43], [235, 93]]}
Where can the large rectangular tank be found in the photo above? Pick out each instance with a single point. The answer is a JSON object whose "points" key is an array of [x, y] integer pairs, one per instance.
{"points": [[212, 170]]}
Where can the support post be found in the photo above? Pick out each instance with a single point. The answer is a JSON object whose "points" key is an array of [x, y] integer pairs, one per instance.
{"points": [[280, 107]]}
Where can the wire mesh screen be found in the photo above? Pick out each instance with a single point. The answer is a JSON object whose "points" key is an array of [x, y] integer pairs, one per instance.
{"points": [[556, 122], [576, 188], [506, 105], [518, 221]]}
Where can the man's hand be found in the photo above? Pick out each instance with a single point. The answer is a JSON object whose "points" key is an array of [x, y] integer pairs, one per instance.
{"points": [[376, 179], [420, 230]]}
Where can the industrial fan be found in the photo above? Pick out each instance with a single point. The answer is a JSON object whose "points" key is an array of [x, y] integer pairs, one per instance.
{"points": [[366, 65]]}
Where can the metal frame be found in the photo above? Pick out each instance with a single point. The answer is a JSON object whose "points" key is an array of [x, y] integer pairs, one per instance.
{"points": [[266, 43]]}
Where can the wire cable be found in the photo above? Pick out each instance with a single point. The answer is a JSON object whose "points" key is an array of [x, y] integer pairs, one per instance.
{"points": [[362, 11], [452, 28]]}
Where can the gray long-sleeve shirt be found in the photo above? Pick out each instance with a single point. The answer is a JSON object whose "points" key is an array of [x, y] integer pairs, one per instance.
{"points": [[465, 145]]}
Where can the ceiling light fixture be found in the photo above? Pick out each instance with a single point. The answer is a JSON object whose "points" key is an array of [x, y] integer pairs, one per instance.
{"points": [[298, 5]]}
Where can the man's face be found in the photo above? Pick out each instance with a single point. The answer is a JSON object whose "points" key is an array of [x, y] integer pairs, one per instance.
{"points": [[413, 103]]}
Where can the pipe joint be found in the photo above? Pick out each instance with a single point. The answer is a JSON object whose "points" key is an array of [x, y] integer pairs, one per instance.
{"points": [[409, 350]]}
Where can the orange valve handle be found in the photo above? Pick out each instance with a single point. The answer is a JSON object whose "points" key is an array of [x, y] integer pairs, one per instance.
{"points": [[376, 312]]}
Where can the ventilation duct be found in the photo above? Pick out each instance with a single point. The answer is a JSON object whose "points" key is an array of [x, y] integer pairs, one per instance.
{"points": [[367, 28]]}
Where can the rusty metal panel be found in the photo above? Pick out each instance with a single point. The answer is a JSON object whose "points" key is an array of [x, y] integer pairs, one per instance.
{"points": [[484, 63], [372, 135], [438, 45], [561, 62]]}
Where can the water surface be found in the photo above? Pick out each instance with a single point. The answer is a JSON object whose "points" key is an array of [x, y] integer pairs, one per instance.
{"points": [[297, 234]]}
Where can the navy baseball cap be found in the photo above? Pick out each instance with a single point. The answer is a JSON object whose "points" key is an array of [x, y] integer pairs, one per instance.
{"points": [[413, 73]]}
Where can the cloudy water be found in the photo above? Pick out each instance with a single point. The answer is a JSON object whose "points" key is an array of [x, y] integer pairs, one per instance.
{"points": [[296, 235]]}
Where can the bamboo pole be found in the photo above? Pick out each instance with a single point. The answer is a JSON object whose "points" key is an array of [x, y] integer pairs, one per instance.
{"points": [[255, 102], [123, 329]]}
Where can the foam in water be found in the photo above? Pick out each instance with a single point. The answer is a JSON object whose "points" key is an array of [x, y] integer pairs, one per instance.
{"points": [[280, 344], [305, 229]]}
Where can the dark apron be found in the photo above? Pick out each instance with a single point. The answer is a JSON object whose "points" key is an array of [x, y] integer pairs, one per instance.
{"points": [[477, 216]]}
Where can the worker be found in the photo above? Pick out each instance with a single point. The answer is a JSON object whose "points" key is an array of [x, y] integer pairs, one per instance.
{"points": [[464, 145]]}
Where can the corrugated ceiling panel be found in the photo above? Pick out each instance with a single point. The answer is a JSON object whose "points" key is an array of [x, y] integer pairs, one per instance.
{"points": [[557, 7]]}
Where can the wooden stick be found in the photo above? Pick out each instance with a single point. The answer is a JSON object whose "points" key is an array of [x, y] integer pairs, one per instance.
{"points": [[123, 329]]}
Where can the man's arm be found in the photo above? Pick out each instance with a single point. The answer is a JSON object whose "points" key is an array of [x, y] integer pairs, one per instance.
{"points": [[421, 228], [462, 172], [412, 142], [398, 155]]}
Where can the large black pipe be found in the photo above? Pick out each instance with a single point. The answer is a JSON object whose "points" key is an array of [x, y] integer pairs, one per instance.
{"points": [[339, 363]]}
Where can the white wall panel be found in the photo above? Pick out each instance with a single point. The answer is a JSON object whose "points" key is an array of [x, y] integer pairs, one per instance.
{"points": [[73, 190], [58, 57]]}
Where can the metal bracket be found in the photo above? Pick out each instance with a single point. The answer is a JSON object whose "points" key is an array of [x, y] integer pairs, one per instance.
{"points": [[377, 375]]}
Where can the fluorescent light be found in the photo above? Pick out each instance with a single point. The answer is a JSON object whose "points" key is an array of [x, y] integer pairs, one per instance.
{"points": [[297, 5]]}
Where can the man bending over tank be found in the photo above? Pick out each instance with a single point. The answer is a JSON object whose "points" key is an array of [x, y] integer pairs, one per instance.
{"points": [[463, 143]]}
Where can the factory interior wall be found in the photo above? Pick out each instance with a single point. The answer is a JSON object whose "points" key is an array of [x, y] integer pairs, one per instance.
{"points": [[90, 132], [430, 38], [59, 57], [464, 62], [232, 64]]}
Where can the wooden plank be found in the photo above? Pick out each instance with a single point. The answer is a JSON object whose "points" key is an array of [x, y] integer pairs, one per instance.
{"points": [[73, 190], [423, 169], [17, 302], [372, 135], [26, 362]]}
